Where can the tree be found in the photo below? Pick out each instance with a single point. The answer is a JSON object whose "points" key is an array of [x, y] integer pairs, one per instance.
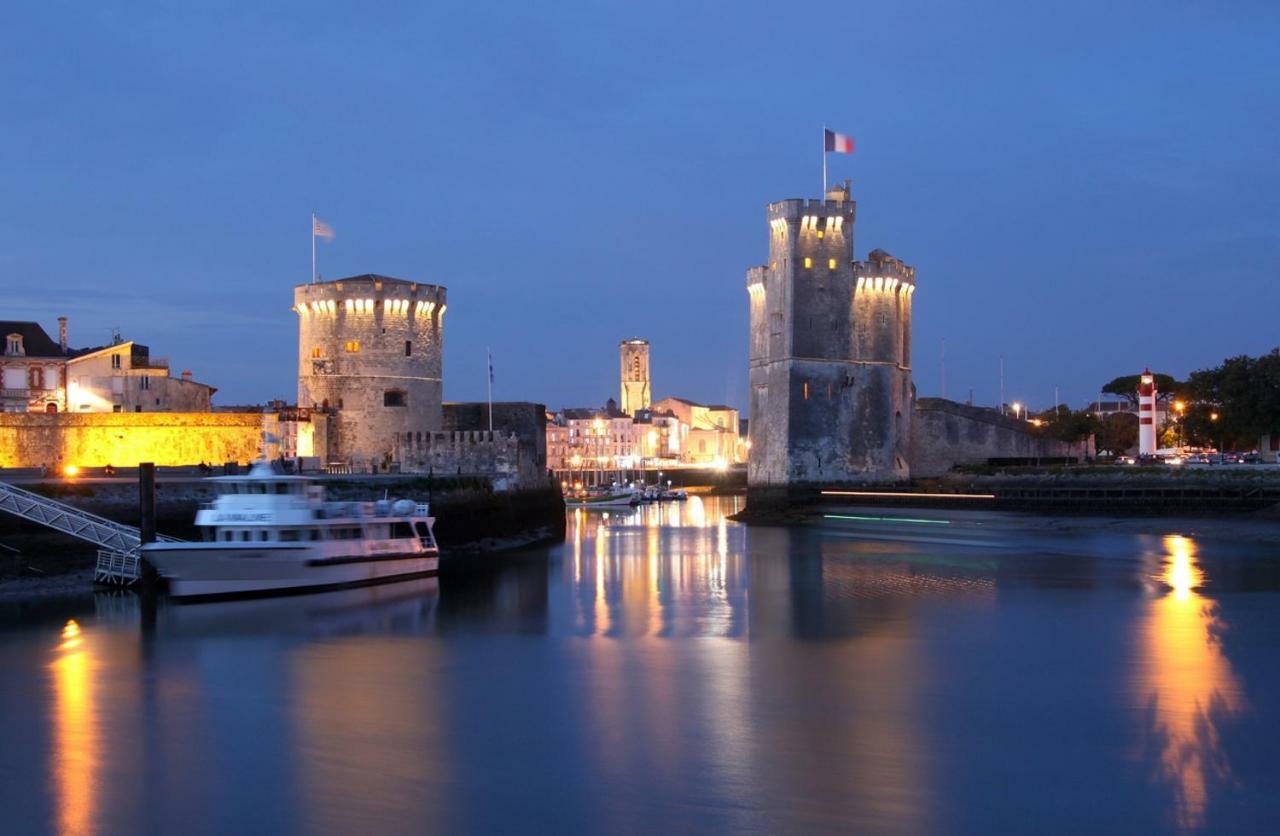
{"points": [[1244, 394], [1127, 387], [1064, 424], [1118, 432]]}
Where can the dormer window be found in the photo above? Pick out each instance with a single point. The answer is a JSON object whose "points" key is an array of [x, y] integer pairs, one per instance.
{"points": [[13, 344]]}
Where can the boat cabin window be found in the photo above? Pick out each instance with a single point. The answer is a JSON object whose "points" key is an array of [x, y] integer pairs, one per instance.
{"points": [[401, 531], [244, 535], [288, 535], [263, 534], [226, 535], [282, 487]]}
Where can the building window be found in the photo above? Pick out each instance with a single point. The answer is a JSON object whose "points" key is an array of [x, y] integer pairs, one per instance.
{"points": [[352, 346], [831, 264], [808, 262], [115, 361], [408, 348], [393, 397], [805, 387], [315, 353], [145, 382], [13, 345]]}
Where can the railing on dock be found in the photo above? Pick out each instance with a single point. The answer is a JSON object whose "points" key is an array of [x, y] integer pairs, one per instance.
{"points": [[117, 568], [118, 557]]}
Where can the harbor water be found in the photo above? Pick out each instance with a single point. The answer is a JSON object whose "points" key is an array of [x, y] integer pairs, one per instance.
{"points": [[669, 670]]}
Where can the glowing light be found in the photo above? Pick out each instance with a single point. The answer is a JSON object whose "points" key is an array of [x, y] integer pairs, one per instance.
{"points": [[808, 262], [75, 758], [70, 635], [861, 282], [831, 264], [1187, 685], [350, 305], [909, 494], [918, 520], [70, 470]]}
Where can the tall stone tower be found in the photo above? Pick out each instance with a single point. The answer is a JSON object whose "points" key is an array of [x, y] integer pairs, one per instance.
{"points": [[635, 375], [370, 348], [830, 354]]}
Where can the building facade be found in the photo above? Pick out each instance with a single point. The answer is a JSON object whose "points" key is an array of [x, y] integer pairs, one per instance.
{"points": [[635, 387], [40, 375], [830, 353], [370, 349]]}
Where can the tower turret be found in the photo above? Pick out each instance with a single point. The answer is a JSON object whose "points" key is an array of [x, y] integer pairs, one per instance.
{"points": [[371, 349], [830, 353]]}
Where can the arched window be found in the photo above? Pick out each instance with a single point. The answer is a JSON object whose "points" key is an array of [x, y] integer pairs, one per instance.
{"points": [[35, 378]]}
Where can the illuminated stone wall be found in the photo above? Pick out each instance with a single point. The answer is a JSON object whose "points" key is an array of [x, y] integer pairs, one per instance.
{"points": [[830, 353], [371, 348], [125, 439]]}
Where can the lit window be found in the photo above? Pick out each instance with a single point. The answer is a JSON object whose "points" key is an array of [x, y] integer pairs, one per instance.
{"points": [[808, 262], [145, 383], [353, 346], [315, 353], [806, 391], [115, 361]]}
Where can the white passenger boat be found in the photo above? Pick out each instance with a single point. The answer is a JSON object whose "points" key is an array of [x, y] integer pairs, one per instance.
{"points": [[266, 532]]}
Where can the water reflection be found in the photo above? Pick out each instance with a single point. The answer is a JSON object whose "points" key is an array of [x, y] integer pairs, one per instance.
{"points": [[74, 761], [670, 569], [1187, 685]]}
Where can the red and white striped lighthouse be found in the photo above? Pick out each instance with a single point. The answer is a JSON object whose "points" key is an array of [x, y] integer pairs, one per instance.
{"points": [[1147, 414]]}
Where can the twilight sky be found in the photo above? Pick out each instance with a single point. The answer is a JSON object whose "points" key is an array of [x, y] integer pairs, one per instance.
{"points": [[1086, 187]]}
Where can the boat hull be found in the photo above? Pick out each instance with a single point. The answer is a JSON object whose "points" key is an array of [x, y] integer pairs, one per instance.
{"points": [[195, 572]]}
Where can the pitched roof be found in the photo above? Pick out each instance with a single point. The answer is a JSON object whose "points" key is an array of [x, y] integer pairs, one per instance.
{"points": [[35, 342]]}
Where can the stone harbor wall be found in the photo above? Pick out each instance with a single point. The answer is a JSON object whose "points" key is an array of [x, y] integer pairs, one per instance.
{"points": [[123, 439], [945, 434], [493, 455]]}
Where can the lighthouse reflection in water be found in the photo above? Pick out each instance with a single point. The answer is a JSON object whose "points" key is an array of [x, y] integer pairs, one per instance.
{"points": [[668, 668]]}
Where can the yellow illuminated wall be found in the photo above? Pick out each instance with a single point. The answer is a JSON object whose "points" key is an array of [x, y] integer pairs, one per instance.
{"points": [[125, 439]]}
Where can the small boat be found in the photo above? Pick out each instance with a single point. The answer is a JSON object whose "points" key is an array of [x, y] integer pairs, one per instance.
{"points": [[270, 533], [613, 497]]}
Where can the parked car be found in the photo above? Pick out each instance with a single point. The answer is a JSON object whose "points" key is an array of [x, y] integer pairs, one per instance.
{"points": [[1125, 460]]}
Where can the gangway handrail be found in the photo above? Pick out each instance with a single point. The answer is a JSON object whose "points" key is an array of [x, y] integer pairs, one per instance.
{"points": [[71, 520]]}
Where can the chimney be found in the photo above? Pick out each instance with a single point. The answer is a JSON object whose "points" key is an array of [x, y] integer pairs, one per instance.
{"points": [[186, 374], [62, 334]]}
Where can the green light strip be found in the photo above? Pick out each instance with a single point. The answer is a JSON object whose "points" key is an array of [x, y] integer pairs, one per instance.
{"points": [[886, 519]]}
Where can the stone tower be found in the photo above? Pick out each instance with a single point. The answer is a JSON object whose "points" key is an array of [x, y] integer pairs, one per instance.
{"points": [[830, 354], [635, 375], [370, 348]]}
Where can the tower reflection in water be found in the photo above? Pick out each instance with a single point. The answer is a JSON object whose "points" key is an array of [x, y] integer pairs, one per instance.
{"points": [[74, 762], [1186, 685]]}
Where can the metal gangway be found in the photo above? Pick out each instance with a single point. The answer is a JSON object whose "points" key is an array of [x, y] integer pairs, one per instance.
{"points": [[118, 544]]}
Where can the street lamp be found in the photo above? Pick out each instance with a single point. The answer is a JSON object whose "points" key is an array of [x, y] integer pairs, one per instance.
{"points": [[1222, 456], [1017, 409]]}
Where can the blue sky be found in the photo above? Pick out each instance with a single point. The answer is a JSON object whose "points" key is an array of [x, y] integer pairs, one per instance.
{"points": [[1086, 188]]}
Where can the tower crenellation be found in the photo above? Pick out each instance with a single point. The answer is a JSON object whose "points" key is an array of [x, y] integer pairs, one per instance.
{"points": [[370, 348], [830, 355]]}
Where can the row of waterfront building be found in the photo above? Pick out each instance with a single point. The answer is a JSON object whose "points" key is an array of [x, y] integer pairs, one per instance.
{"points": [[637, 433]]}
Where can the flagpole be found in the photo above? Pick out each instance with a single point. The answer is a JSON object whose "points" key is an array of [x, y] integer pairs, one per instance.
{"points": [[489, 356], [824, 161], [313, 247]]}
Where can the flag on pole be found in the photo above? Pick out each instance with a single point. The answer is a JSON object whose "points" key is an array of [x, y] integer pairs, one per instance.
{"points": [[320, 229], [838, 143], [490, 354]]}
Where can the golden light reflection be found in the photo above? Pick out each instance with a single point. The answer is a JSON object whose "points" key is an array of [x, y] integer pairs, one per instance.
{"points": [[1187, 684], [644, 568], [75, 759]]}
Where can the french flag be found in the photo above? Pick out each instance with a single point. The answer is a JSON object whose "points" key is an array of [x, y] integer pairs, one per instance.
{"points": [[839, 143]]}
